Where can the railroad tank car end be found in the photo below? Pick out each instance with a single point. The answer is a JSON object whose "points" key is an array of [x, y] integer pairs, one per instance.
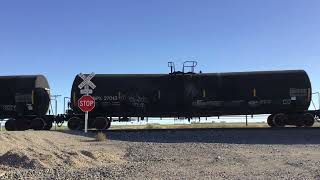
{"points": [[24, 101]]}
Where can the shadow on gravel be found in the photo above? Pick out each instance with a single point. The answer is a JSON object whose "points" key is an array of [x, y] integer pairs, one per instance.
{"points": [[223, 135]]}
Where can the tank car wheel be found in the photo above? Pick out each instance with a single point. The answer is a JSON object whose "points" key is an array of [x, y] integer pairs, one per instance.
{"points": [[22, 125], [279, 120], [10, 125], [308, 120], [270, 120], [101, 123], [74, 123], [109, 125], [38, 124], [299, 123], [48, 126]]}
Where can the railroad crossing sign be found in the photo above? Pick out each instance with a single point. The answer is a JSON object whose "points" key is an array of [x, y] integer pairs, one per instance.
{"points": [[86, 84], [86, 103]]}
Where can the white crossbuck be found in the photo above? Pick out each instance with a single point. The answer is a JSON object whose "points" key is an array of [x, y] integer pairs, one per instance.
{"points": [[87, 81]]}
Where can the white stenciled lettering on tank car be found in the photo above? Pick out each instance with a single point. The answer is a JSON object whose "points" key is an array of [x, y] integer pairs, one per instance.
{"points": [[111, 98], [138, 101], [265, 101], [23, 98], [286, 101], [298, 92], [97, 98], [8, 107], [202, 103], [254, 103]]}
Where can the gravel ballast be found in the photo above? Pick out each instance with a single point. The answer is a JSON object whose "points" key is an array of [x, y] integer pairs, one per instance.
{"points": [[162, 154]]}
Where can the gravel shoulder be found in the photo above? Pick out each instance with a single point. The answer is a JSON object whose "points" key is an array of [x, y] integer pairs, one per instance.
{"points": [[188, 154]]}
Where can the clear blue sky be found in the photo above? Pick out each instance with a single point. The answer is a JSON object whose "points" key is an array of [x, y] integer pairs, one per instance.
{"points": [[62, 38]]}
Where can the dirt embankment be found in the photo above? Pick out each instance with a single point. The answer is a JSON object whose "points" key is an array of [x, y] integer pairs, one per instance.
{"points": [[33, 150]]}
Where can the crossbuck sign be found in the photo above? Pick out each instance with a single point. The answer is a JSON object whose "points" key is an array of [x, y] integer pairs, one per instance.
{"points": [[86, 84], [86, 103]]}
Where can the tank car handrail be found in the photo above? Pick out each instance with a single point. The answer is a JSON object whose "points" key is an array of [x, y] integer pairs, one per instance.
{"points": [[192, 65], [172, 66]]}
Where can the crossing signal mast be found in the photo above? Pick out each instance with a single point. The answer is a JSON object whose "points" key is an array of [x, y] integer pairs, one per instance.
{"points": [[86, 103]]}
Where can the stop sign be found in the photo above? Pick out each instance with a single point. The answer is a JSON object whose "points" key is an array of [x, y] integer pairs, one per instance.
{"points": [[86, 103]]}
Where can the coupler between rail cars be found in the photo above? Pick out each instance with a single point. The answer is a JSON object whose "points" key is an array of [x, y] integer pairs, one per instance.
{"points": [[303, 119]]}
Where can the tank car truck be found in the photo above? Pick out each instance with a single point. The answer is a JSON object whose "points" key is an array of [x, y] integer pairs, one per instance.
{"points": [[286, 95], [24, 102]]}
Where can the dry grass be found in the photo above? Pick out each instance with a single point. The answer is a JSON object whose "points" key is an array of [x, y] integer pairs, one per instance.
{"points": [[101, 136], [149, 126]]}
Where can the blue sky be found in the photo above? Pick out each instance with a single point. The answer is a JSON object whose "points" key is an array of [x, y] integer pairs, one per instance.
{"points": [[62, 38]]}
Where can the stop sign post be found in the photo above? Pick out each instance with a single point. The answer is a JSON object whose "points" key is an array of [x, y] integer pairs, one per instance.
{"points": [[86, 103]]}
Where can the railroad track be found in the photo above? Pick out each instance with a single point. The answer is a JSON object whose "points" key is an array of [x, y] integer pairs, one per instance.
{"points": [[272, 136], [292, 129]]}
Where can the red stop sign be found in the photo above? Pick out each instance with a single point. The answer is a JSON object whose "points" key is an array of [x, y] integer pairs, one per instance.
{"points": [[86, 103]]}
